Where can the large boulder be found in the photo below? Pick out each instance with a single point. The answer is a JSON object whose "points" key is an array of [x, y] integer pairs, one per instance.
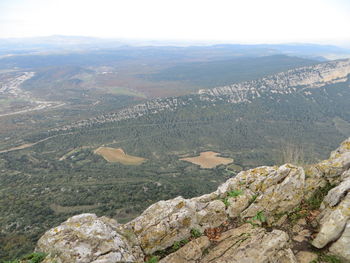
{"points": [[212, 215], [338, 162], [87, 238], [332, 223], [337, 193], [238, 203], [163, 223], [282, 190], [166, 222], [341, 247]]}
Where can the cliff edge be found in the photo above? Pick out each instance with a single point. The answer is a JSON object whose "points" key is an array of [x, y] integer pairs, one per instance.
{"points": [[267, 214]]}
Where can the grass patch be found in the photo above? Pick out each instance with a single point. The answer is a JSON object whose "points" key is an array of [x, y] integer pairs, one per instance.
{"points": [[153, 259], [316, 199], [35, 257], [327, 259]]}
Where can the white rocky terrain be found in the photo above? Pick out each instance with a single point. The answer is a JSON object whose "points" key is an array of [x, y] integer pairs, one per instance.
{"points": [[285, 214]]}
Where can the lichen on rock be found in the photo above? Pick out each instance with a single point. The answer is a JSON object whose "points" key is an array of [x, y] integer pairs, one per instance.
{"points": [[87, 238]]}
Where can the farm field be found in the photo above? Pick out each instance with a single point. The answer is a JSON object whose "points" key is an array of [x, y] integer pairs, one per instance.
{"points": [[208, 160], [118, 155]]}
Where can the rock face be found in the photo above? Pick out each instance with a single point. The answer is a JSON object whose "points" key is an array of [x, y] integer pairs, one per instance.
{"points": [[87, 238], [250, 244], [191, 252], [237, 220]]}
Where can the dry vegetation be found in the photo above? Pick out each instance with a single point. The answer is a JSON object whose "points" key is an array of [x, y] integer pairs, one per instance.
{"points": [[208, 160], [114, 155]]}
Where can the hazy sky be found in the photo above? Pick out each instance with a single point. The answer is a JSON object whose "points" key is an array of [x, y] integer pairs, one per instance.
{"points": [[243, 21]]}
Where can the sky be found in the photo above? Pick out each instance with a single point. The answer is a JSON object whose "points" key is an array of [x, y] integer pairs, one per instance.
{"points": [[240, 21]]}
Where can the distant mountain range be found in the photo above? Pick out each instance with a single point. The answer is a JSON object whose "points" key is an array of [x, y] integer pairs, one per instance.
{"points": [[58, 43]]}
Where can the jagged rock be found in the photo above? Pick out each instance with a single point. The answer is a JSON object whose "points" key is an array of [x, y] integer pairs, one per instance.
{"points": [[332, 223], [248, 244], [213, 215], [341, 247], [306, 257], [163, 223], [329, 170], [253, 179], [334, 195], [343, 148], [345, 175], [285, 192], [239, 203], [284, 256], [302, 235], [206, 198], [337, 163], [86, 238], [313, 181], [189, 253]]}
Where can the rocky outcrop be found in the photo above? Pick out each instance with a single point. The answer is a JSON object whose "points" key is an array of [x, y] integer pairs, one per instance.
{"points": [[249, 218], [191, 252], [87, 238], [251, 244]]}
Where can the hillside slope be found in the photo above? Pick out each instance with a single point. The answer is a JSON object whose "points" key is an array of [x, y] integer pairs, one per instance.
{"points": [[267, 214]]}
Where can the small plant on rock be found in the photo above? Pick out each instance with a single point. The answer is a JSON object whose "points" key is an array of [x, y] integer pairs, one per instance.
{"points": [[225, 201], [35, 257], [235, 193], [260, 216], [195, 233]]}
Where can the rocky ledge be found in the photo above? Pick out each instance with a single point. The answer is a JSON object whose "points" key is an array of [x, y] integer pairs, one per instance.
{"points": [[268, 214]]}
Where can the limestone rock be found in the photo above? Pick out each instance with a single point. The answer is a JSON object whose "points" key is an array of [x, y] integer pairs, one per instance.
{"points": [[86, 238], [313, 181], [247, 244], [213, 215], [334, 195], [163, 223], [336, 164], [306, 257], [257, 180], [239, 203], [189, 253], [341, 247], [343, 148], [282, 195], [333, 223]]}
